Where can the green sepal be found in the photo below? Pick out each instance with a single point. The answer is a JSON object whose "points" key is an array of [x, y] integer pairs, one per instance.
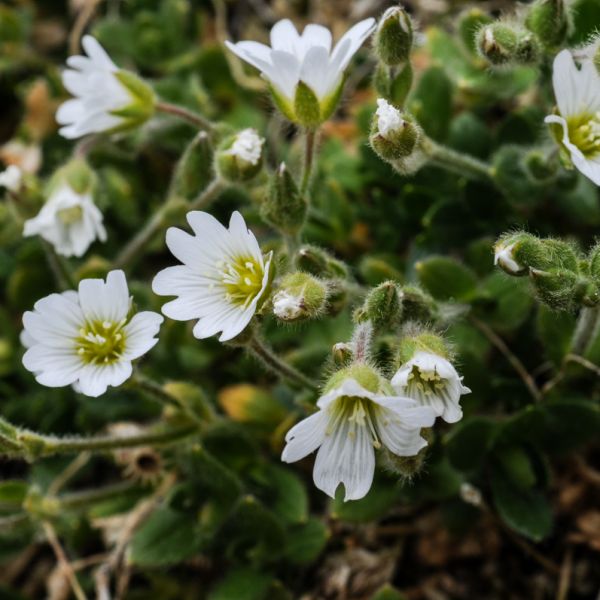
{"points": [[307, 109]]}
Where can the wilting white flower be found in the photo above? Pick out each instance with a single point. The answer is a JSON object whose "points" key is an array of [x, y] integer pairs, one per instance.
{"points": [[223, 279], [287, 306], [504, 258], [11, 178], [350, 423], [308, 58], [577, 124], [247, 146], [106, 97], [69, 221], [433, 381], [87, 338], [389, 119]]}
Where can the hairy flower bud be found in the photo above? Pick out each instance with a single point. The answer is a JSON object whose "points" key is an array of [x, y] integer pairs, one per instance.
{"points": [[284, 208], [300, 296], [382, 305], [549, 21], [469, 24], [393, 84], [555, 288], [502, 43], [342, 354], [394, 36], [240, 157], [194, 170], [417, 305], [394, 135], [515, 253], [319, 262]]}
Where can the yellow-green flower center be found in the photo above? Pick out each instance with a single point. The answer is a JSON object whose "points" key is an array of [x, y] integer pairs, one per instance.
{"points": [[427, 382], [584, 132], [70, 215], [243, 279], [101, 342], [353, 412]]}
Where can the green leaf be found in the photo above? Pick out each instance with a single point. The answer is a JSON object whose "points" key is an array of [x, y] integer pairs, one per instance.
{"points": [[242, 584], [431, 102], [445, 278], [167, 537], [306, 541], [286, 494], [525, 511], [12, 492], [516, 466], [469, 441]]}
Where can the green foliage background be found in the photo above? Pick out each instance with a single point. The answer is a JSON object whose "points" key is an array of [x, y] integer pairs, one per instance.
{"points": [[235, 523]]}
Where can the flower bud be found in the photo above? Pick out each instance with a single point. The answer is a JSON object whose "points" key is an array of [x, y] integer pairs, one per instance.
{"points": [[549, 21], [240, 156], [470, 22], [555, 288], [194, 171], [342, 353], [284, 208], [501, 43], [538, 167], [382, 305], [417, 305], [515, 253], [393, 84], [393, 135], [394, 36], [317, 261], [300, 296]]}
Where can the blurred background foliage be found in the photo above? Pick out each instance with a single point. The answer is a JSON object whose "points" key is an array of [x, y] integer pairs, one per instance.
{"points": [[225, 519]]}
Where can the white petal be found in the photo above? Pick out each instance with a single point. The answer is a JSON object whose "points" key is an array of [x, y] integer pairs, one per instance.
{"points": [[314, 71], [93, 380], [97, 53], [356, 35], [284, 36], [140, 334], [397, 438], [317, 35], [346, 459], [577, 91], [305, 437], [105, 301], [54, 367]]}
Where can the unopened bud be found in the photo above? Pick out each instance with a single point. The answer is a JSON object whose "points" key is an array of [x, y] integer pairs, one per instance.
{"points": [[555, 288], [393, 135], [317, 261], [342, 354], [394, 36], [502, 43], [300, 296], [284, 208], [393, 84], [549, 21], [382, 305], [194, 170], [539, 167], [515, 253], [417, 305], [240, 157], [470, 22]]}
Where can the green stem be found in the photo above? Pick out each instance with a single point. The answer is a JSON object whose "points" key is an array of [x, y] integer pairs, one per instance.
{"points": [[585, 330], [457, 162], [31, 445], [310, 138], [278, 366], [85, 498], [157, 221], [59, 268], [185, 114]]}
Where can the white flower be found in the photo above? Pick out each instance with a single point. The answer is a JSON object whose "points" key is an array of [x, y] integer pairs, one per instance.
{"points": [[577, 92], [350, 423], [223, 279], [69, 221], [433, 381], [11, 178], [503, 257], [87, 338], [247, 146], [389, 119], [306, 58], [106, 98]]}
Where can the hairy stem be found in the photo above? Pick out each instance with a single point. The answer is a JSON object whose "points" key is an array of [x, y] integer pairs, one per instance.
{"points": [[278, 366], [457, 162], [185, 114], [585, 330], [310, 138], [157, 221]]}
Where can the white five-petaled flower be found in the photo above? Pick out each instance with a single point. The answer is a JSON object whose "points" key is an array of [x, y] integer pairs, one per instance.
{"points": [[247, 146], [350, 423], [69, 221], [11, 178], [432, 381], [389, 119], [106, 98], [223, 279], [577, 124], [308, 58], [87, 338]]}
